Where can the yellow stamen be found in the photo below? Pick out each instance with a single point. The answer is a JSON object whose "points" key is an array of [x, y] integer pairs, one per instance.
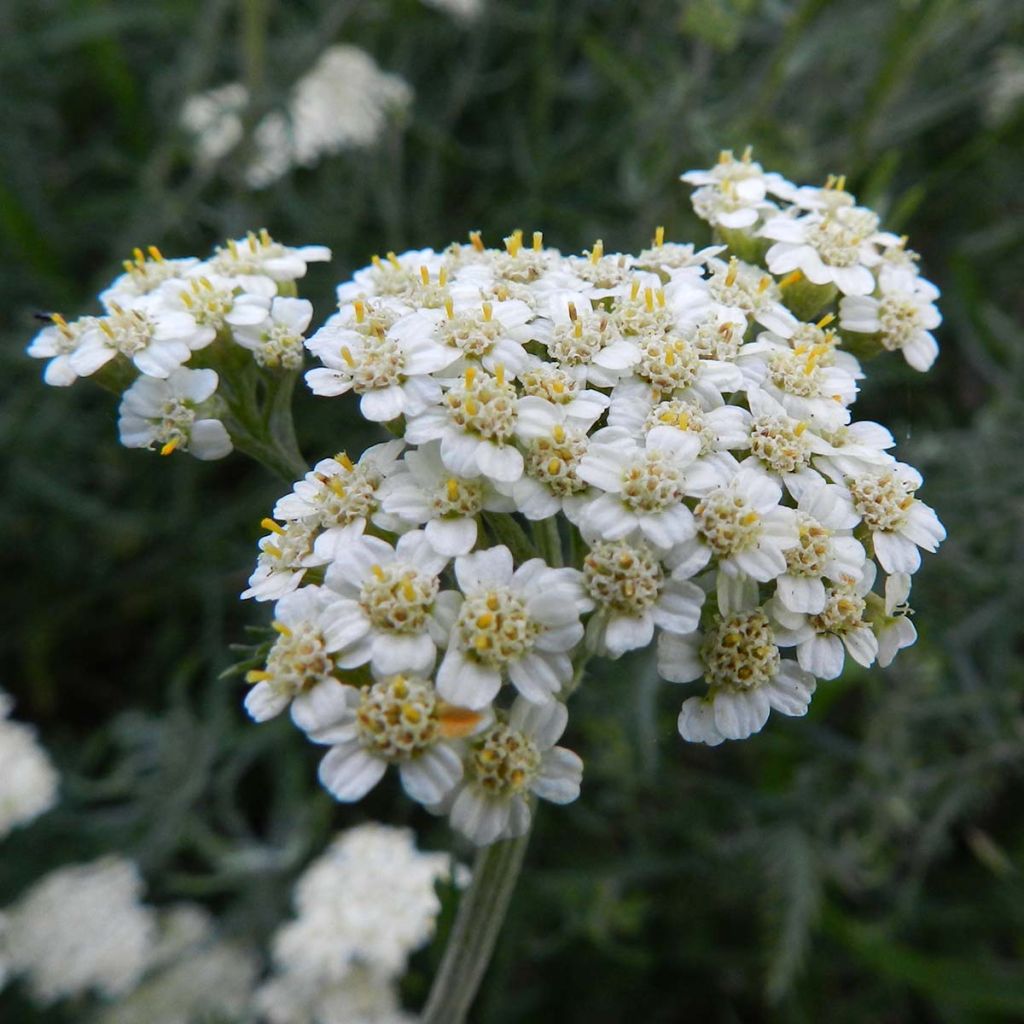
{"points": [[377, 571], [577, 329], [257, 676], [597, 252], [442, 276], [335, 486], [499, 374], [455, 722], [554, 465], [269, 524], [393, 260], [558, 432], [649, 299], [452, 487], [281, 628], [683, 420], [488, 312], [343, 458], [659, 236], [481, 642], [634, 290], [747, 154], [734, 269], [791, 278], [170, 446], [484, 621], [538, 241], [449, 308], [476, 241], [360, 311], [155, 254], [273, 550], [424, 275], [408, 590], [826, 320], [763, 284], [470, 375], [749, 519], [471, 407], [376, 261], [660, 295], [346, 354], [799, 428]]}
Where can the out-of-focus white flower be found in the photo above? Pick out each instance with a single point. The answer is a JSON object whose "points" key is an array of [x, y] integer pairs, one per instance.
{"points": [[460, 10], [370, 899], [81, 928], [214, 119], [195, 976], [28, 780], [168, 414]]}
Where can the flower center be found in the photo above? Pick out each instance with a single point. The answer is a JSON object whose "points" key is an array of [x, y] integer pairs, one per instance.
{"points": [[743, 287], [461, 498], [249, 257], [780, 443], [343, 497], [843, 611], [495, 628], [797, 373], [652, 483], [603, 272], [127, 330], [643, 313], [586, 334], [811, 555], [505, 762], [838, 236], [550, 382], [288, 545], [484, 405], [739, 653], [712, 340], [667, 362], [379, 364], [554, 460], [900, 319], [207, 304], [683, 416], [473, 334], [727, 522], [298, 660], [398, 717], [174, 423], [623, 576], [397, 598], [881, 500], [281, 346]]}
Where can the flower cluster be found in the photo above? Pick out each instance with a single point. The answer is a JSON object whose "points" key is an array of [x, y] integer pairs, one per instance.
{"points": [[28, 780], [361, 908], [594, 454], [183, 339]]}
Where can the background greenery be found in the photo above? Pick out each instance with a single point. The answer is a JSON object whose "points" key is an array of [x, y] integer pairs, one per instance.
{"points": [[864, 863]]}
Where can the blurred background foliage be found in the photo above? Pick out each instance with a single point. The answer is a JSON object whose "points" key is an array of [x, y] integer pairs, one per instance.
{"points": [[865, 863]]}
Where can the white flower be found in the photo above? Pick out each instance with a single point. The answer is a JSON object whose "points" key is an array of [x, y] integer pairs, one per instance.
{"points": [[517, 623], [390, 371], [837, 245], [145, 273], [338, 493], [839, 625], [856, 448], [286, 552], [168, 414], [369, 899], [277, 340], [734, 286], [310, 633], [213, 118], [746, 677], [900, 524], [509, 762], [733, 193], [156, 339], [422, 490], [81, 928], [250, 261], [826, 549], [643, 487], [58, 342], [398, 720], [460, 10], [742, 525], [801, 381], [389, 612], [361, 996], [28, 780], [903, 315], [895, 630], [343, 102], [553, 443], [633, 594], [476, 425]]}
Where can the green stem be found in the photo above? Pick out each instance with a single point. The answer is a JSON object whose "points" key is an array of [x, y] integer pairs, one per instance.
{"points": [[475, 932], [549, 540]]}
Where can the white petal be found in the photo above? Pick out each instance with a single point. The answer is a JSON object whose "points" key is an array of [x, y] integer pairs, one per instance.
{"points": [[348, 772], [431, 776]]}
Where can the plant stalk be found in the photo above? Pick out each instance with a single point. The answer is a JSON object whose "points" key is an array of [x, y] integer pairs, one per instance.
{"points": [[477, 925]]}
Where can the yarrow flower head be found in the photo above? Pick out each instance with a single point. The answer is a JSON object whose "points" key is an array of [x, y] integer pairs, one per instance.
{"points": [[591, 454]]}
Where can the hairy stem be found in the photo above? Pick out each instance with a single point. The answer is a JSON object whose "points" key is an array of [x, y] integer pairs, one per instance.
{"points": [[475, 932]]}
